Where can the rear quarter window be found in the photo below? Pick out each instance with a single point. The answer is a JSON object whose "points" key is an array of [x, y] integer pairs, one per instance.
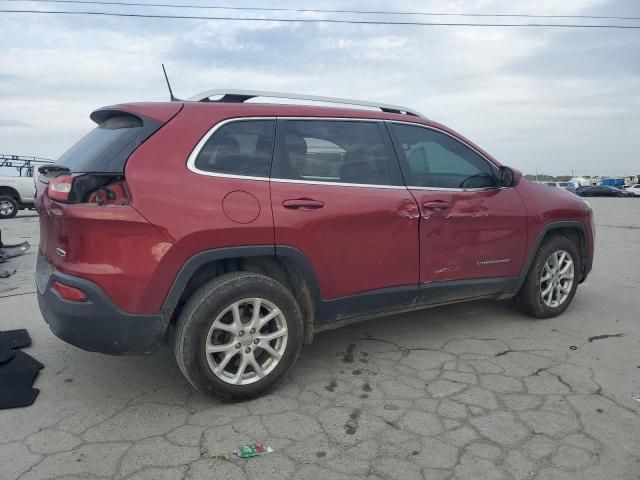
{"points": [[242, 147]]}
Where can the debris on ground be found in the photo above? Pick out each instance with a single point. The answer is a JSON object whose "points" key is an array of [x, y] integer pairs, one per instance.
{"points": [[11, 251], [18, 370], [635, 396], [10, 340], [220, 455], [254, 450]]}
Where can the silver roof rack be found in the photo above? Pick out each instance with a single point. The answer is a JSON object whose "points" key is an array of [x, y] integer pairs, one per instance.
{"points": [[239, 96]]}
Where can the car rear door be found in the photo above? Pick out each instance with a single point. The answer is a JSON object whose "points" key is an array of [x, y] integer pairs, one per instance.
{"points": [[472, 233], [338, 197]]}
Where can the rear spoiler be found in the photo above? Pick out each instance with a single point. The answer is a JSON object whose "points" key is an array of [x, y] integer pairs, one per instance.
{"points": [[44, 169]]}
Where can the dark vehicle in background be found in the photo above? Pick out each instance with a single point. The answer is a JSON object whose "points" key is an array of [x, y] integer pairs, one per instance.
{"points": [[602, 191]]}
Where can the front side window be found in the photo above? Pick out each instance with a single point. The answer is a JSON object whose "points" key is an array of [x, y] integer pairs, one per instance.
{"points": [[333, 151], [434, 159], [239, 148]]}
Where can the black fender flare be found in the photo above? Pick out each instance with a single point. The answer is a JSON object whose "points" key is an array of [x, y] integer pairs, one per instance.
{"points": [[6, 191], [207, 256], [585, 262]]}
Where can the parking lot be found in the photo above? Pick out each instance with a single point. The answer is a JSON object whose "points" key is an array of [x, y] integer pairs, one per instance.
{"points": [[475, 390]]}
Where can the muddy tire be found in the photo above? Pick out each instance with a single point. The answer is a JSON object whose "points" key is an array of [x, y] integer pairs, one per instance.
{"points": [[238, 336], [8, 207], [552, 279]]}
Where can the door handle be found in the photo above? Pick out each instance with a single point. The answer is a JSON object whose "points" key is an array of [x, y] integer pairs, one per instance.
{"points": [[302, 204], [436, 205]]}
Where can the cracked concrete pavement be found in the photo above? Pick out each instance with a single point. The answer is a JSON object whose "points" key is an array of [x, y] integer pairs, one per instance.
{"points": [[469, 391]]}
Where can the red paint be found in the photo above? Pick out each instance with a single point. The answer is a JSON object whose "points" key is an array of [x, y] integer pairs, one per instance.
{"points": [[460, 229], [545, 205], [357, 238], [241, 207]]}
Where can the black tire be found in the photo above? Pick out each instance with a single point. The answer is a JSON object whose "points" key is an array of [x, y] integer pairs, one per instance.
{"points": [[200, 312], [12, 206], [529, 298]]}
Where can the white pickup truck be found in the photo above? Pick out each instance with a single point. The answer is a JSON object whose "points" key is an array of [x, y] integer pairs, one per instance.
{"points": [[16, 193]]}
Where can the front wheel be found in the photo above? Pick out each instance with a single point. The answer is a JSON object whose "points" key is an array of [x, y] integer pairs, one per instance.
{"points": [[8, 207], [552, 280], [238, 336]]}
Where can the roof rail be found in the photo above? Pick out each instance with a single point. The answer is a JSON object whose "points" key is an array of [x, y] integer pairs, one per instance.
{"points": [[239, 96]]}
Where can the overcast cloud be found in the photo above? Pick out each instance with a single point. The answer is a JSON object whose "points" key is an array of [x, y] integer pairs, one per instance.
{"points": [[551, 100]]}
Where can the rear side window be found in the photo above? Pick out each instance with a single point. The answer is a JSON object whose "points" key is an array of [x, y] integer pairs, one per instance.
{"points": [[333, 151], [434, 159], [107, 147], [239, 148]]}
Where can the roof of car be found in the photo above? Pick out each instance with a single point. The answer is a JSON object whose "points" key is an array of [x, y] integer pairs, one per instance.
{"points": [[225, 110]]}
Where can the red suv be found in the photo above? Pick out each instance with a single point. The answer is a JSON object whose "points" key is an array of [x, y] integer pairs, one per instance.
{"points": [[237, 230]]}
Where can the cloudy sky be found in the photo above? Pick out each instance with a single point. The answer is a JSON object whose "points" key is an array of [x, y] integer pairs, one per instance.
{"points": [[546, 99]]}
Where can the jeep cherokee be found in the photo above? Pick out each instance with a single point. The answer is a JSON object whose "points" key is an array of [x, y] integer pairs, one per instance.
{"points": [[237, 230]]}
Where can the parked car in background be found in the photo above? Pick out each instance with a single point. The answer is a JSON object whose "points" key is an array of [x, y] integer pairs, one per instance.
{"points": [[634, 189], [603, 191], [16, 193], [569, 186], [236, 231]]}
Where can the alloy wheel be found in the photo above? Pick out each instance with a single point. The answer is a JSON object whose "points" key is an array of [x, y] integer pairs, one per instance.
{"points": [[246, 341], [557, 278]]}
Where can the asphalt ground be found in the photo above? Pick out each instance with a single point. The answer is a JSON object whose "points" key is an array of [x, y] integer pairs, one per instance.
{"points": [[475, 390]]}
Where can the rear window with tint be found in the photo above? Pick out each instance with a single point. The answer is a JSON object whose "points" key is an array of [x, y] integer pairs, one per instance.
{"points": [[107, 147], [242, 147]]}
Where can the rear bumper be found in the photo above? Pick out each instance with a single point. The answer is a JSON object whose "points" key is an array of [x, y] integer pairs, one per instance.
{"points": [[97, 325]]}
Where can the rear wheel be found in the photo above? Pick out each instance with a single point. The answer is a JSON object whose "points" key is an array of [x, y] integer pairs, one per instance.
{"points": [[238, 336], [8, 207], [552, 279]]}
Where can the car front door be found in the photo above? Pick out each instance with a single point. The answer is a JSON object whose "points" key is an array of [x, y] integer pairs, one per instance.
{"points": [[472, 233], [338, 197]]}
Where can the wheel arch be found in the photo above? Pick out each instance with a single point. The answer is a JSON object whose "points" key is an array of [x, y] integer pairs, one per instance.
{"points": [[574, 230], [10, 192], [285, 264]]}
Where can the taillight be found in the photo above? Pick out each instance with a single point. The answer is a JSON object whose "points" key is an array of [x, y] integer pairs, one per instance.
{"points": [[90, 188], [60, 188]]}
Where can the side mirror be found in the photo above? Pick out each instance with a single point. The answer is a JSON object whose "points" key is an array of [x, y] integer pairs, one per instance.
{"points": [[509, 177]]}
